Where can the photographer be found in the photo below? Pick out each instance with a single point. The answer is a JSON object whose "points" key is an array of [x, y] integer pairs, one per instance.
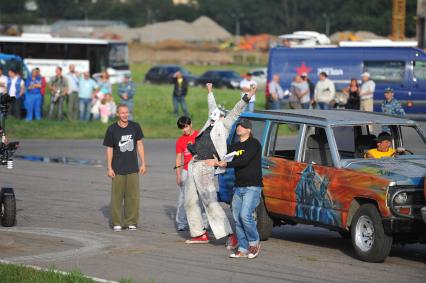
{"points": [[58, 87]]}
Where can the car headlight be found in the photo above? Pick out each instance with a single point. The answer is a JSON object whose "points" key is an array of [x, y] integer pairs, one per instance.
{"points": [[401, 198], [235, 83]]}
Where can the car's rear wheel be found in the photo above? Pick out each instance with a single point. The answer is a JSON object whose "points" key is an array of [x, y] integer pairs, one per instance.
{"points": [[264, 222], [369, 239], [8, 211]]}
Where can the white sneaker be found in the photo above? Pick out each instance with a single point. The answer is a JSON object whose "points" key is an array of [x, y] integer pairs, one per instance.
{"points": [[117, 228], [132, 228]]}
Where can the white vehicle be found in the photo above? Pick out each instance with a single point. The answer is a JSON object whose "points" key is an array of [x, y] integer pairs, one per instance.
{"points": [[259, 76], [305, 38], [47, 52]]}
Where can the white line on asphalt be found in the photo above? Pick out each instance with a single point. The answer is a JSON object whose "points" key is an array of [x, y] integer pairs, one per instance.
{"points": [[91, 243]]}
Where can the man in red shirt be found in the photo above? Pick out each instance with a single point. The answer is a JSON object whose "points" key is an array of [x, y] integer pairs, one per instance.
{"points": [[183, 156]]}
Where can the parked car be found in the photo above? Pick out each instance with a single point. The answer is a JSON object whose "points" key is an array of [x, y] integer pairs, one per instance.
{"points": [[260, 76], [319, 176], [163, 74], [220, 78]]}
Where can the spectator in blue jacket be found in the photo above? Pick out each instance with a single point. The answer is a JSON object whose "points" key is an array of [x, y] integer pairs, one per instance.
{"points": [[126, 92], [33, 96], [391, 105]]}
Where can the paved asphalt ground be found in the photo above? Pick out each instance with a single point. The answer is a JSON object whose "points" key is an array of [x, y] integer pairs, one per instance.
{"points": [[63, 221]]}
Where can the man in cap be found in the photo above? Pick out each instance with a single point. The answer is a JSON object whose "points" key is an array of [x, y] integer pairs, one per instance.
{"points": [[384, 149], [248, 188], [245, 86], [200, 186], [127, 91], [367, 93], [391, 105]]}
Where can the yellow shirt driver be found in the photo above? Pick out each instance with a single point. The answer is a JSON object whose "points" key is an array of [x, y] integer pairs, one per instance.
{"points": [[384, 141]]}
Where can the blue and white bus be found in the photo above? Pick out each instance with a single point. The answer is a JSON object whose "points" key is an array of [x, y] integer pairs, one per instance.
{"points": [[47, 52]]}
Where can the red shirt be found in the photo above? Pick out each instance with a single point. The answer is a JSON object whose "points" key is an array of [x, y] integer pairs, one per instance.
{"points": [[181, 144]]}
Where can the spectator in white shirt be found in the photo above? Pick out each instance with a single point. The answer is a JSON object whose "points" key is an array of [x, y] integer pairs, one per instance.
{"points": [[245, 88], [366, 93], [3, 82], [324, 92], [72, 95], [276, 93]]}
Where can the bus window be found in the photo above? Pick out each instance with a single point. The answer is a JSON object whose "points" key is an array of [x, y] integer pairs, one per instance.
{"points": [[385, 71], [420, 70], [118, 55]]}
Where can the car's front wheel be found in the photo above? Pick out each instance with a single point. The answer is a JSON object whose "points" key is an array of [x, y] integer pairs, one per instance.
{"points": [[369, 239], [264, 222]]}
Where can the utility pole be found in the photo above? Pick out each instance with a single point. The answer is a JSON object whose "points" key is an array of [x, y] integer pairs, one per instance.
{"points": [[398, 19], [421, 23], [327, 24]]}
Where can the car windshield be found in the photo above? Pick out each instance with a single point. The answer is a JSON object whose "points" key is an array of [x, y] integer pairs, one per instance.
{"points": [[354, 141]]}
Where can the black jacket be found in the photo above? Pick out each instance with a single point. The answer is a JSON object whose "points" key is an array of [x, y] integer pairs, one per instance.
{"points": [[182, 90]]}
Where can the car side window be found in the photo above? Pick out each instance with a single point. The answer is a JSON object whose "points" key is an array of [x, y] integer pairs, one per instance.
{"points": [[385, 71], [282, 141], [420, 70], [316, 147], [207, 75], [154, 71], [345, 141]]}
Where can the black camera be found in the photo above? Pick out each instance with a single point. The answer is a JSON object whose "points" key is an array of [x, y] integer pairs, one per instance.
{"points": [[5, 100], [7, 149]]}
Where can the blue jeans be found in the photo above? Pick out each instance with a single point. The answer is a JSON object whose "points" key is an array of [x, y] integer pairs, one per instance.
{"points": [[180, 100], [84, 108], [306, 105], [244, 202], [249, 107], [33, 105], [323, 106]]}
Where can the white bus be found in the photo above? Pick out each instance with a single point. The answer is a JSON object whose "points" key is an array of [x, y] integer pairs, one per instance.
{"points": [[47, 52]]}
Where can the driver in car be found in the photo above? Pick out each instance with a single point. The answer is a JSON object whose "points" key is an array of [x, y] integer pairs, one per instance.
{"points": [[384, 149]]}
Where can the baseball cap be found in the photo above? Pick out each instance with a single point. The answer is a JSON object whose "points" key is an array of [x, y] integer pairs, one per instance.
{"points": [[304, 74], [388, 89], [384, 136], [245, 124], [365, 74]]}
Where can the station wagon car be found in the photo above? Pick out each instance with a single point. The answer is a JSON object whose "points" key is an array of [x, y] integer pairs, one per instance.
{"points": [[315, 172]]}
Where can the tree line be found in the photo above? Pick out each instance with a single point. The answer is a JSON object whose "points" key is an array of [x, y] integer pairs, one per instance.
{"points": [[252, 16]]}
